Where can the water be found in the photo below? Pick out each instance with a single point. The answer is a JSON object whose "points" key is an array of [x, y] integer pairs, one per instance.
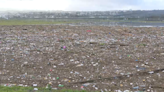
{"points": [[130, 24]]}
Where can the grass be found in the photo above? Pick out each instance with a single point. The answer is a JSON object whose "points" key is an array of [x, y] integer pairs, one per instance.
{"points": [[31, 22], [30, 89], [63, 21], [40, 21]]}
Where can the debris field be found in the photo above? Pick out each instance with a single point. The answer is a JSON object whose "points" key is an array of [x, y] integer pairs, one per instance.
{"points": [[120, 59]]}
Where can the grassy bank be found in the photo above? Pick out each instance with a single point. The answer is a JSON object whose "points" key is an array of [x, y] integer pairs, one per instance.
{"points": [[63, 21], [31, 89], [31, 22]]}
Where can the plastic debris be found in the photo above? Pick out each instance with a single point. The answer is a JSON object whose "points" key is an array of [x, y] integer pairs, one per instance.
{"points": [[79, 65], [136, 87], [151, 72], [88, 30], [61, 85], [34, 85], [35, 89], [86, 84]]}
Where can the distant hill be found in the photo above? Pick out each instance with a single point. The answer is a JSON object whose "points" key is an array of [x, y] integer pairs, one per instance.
{"points": [[151, 15]]}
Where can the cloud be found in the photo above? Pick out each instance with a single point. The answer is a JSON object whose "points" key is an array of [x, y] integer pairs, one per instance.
{"points": [[82, 5], [34, 4], [116, 4]]}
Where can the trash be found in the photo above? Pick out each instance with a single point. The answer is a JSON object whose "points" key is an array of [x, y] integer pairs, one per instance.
{"points": [[88, 30], [66, 80], [61, 85], [131, 83], [137, 87], [54, 66], [49, 74], [126, 91], [21, 85], [118, 91], [63, 48], [82, 87], [53, 78], [95, 64], [93, 41], [95, 87], [86, 84], [142, 86], [72, 60], [102, 90], [49, 63], [76, 72], [35, 89], [45, 78], [79, 65], [151, 72], [102, 59], [34, 85], [141, 68], [54, 88], [61, 64]]}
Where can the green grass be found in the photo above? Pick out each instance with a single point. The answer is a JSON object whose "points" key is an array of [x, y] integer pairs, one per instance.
{"points": [[63, 21], [41, 21], [30, 89], [31, 22]]}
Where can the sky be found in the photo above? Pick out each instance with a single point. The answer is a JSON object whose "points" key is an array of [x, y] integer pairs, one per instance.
{"points": [[81, 5]]}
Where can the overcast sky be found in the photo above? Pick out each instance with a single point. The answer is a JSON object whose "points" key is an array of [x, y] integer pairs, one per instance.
{"points": [[81, 5]]}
